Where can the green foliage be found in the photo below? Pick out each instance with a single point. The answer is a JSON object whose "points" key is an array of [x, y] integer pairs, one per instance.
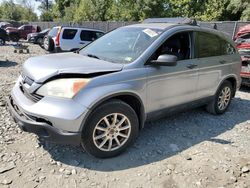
{"points": [[126, 10], [201, 9], [93, 10], [46, 16], [12, 11], [240, 7]]}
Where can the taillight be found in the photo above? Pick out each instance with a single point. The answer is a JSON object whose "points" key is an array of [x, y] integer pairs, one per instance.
{"points": [[58, 37]]}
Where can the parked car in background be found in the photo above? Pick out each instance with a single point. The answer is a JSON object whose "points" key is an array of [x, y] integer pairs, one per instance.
{"points": [[3, 25], [242, 39], [21, 33], [3, 37], [64, 39], [37, 38], [101, 96]]}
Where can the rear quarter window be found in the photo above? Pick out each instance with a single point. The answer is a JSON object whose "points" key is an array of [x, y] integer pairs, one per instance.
{"points": [[90, 35], [209, 45], [99, 34], [69, 33]]}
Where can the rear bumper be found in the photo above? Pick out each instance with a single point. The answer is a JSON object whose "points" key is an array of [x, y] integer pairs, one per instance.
{"points": [[42, 129], [59, 50]]}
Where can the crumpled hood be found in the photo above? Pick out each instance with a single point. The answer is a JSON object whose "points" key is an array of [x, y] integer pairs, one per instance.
{"points": [[44, 67]]}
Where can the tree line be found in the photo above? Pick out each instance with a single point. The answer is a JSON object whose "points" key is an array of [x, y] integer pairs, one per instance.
{"points": [[124, 10]]}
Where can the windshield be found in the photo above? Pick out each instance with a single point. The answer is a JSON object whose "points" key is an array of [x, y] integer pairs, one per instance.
{"points": [[44, 31], [122, 45], [53, 31]]}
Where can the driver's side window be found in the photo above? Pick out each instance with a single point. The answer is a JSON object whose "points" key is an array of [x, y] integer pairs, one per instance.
{"points": [[178, 45]]}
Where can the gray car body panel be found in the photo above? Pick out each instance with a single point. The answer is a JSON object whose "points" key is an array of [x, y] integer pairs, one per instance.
{"points": [[65, 63], [156, 87]]}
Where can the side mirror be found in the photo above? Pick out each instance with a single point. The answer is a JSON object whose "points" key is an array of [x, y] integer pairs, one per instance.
{"points": [[165, 60]]}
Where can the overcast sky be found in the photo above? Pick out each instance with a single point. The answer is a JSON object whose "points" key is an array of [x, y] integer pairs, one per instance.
{"points": [[34, 4]]}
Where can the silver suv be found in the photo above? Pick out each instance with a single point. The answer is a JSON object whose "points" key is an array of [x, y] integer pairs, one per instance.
{"points": [[101, 96]]}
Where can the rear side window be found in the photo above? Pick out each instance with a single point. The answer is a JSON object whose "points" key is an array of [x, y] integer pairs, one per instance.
{"points": [[99, 34], [69, 33], [208, 45], [53, 32], [90, 35], [226, 48], [28, 27]]}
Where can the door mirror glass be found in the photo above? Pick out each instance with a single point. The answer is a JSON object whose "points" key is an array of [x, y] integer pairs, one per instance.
{"points": [[165, 60]]}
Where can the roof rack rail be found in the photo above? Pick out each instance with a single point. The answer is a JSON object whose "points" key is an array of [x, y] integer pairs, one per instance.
{"points": [[177, 20]]}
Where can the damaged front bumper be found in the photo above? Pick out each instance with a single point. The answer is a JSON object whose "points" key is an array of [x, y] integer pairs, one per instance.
{"points": [[55, 120], [42, 129]]}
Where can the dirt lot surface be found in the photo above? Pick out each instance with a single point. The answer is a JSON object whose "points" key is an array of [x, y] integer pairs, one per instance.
{"points": [[191, 149]]}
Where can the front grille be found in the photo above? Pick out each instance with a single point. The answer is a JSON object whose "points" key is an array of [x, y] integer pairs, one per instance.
{"points": [[28, 81], [32, 96]]}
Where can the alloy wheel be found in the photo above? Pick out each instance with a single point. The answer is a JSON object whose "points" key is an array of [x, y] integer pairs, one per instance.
{"points": [[46, 44], [224, 98], [112, 132]]}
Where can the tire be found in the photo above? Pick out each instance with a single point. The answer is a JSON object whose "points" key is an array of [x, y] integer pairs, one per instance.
{"points": [[96, 119], [216, 107], [39, 41], [48, 44], [2, 41], [14, 37]]}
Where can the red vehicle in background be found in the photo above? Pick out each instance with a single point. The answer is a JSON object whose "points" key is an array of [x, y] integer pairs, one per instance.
{"points": [[242, 39], [21, 33]]}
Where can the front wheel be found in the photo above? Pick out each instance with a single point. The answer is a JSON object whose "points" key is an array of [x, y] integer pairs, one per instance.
{"points": [[14, 37], [110, 129], [222, 99], [2, 42]]}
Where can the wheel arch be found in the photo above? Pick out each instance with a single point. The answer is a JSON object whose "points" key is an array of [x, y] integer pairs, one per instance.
{"points": [[131, 99], [233, 80]]}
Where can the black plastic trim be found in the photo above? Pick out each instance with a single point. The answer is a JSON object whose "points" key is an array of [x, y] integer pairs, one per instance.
{"points": [[42, 129]]}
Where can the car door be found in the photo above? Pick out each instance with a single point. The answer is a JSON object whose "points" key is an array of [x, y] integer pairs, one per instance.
{"points": [[210, 63], [176, 85], [68, 39]]}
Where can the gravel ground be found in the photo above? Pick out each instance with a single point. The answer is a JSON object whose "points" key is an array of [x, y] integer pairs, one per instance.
{"points": [[191, 149]]}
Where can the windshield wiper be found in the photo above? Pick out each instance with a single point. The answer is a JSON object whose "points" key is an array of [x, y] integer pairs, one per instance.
{"points": [[93, 56]]}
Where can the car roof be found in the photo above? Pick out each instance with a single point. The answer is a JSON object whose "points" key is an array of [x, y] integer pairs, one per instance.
{"points": [[71, 27], [161, 26]]}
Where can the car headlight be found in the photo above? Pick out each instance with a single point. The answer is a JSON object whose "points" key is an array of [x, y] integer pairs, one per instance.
{"points": [[65, 88]]}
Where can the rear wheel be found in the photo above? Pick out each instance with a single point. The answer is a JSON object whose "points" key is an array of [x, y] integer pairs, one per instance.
{"points": [[110, 129], [48, 44], [222, 99]]}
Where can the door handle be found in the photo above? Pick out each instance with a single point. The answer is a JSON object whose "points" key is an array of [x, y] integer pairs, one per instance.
{"points": [[192, 66], [81, 42], [222, 62]]}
